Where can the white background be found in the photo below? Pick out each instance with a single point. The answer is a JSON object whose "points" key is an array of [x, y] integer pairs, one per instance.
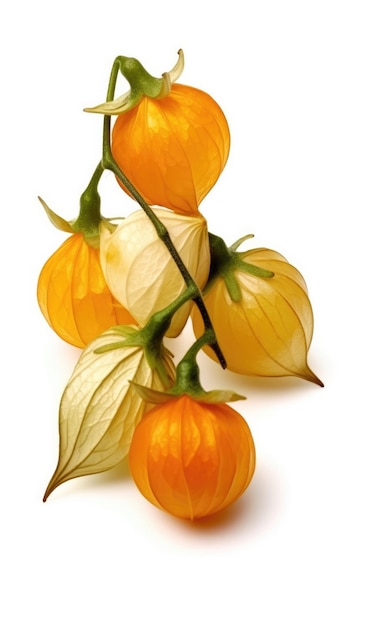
{"points": [[294, 79]]}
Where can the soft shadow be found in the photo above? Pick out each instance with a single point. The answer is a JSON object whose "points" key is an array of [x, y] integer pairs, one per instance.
{"points": [[254, 508], [118, 474], [215, 377], [101, 480]]}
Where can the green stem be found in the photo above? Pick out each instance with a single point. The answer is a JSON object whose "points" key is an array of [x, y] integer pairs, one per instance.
{"points": [[90, 201], [156, 328], [187, 370], [203, 340], [151, 336], [153, 333], [164, 236], [108, 162], [89, 218]]}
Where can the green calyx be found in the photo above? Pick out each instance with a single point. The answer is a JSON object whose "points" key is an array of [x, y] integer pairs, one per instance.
{"points": [[226, 261], [215, 396], [149, 339], [83, 224], [188, 380], [141, 84], [89, 218]]}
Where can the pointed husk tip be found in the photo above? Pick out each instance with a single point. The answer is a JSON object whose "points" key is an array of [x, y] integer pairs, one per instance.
{"points": [[309, 375]]}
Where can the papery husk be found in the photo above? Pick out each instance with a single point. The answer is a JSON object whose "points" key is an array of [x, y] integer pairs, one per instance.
{"points": [[268, 331], [73, 295], [140, 271], [100, 409]]}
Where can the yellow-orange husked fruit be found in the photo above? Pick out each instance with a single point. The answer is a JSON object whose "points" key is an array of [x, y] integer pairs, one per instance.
{"points": [[73, 295], [191, 458], [267, 330], [173, 149]]}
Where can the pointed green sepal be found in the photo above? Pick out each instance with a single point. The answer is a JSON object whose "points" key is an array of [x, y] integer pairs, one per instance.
{"points": [[240, 241], [215, 396], [141, 84]]}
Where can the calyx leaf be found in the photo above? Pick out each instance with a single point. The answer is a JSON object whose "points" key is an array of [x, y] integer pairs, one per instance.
{"points": [[57, 221], [215, 396]]}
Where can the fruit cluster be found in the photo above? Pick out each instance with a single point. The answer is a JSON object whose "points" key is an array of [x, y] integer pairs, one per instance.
{"points": [[117, 287]]}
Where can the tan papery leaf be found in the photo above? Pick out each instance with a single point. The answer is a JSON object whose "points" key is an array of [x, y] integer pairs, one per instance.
{"points": [[100, 408]]}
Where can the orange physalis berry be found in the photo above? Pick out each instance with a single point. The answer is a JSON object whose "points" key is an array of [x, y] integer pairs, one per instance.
{"points": [[192, 458], [73, 295], [173, 149]]}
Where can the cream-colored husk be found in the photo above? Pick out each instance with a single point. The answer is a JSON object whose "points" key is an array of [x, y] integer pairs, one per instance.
{"points": [[139, 270]]}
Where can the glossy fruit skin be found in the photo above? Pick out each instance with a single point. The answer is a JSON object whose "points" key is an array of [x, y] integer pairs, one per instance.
{"points": [[190, 458], [73, 295], [173, 149], [269, 331]]}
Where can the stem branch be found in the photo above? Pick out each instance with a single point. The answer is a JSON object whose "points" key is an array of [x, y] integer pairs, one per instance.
{"points": [[108, 162]]}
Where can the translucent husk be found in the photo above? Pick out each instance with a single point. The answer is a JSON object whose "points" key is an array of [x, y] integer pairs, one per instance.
{"points": [[264, 323], [140, 271], [100, 408]]}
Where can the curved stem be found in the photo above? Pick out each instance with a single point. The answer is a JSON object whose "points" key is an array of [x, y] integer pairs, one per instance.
{"points": [[187, 370], [163, 234], [203, 340], [90, 203], [89, 218], [108, 162]]}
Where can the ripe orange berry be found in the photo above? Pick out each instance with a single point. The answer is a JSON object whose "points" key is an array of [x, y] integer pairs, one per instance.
{"points": [[73, 295], [173, 149], [191, 458]]}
